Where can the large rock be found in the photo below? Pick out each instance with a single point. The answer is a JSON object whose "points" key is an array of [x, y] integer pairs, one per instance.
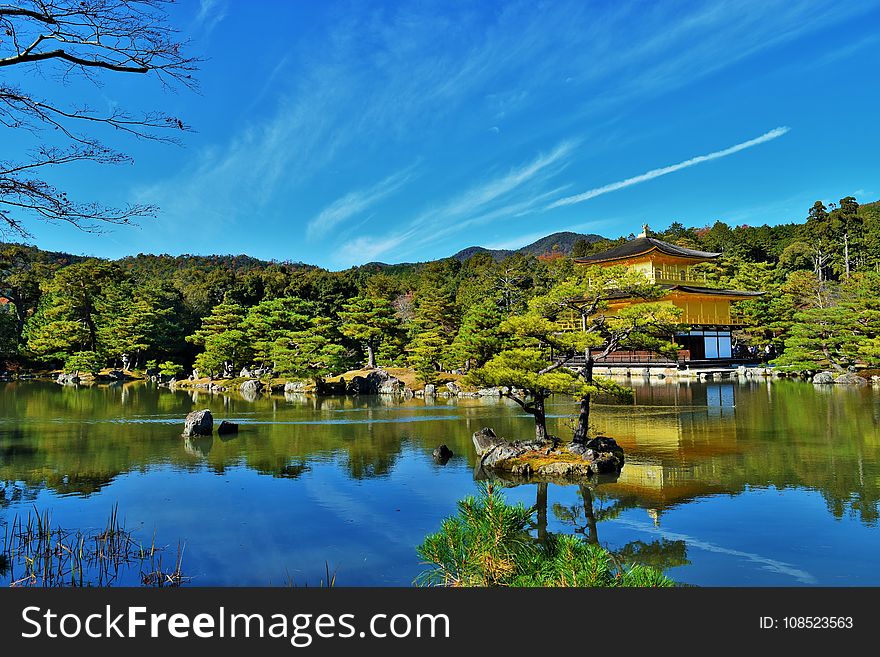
{"points": [[251, 387], [391, 386], [199, 423], [603, 453], [377, 382], [67, 379], [493, 450], [359, 385], [851, 379], [823, 377], [430, 390], [489, 392], [295, 386], [484, 440], [453, 388]]}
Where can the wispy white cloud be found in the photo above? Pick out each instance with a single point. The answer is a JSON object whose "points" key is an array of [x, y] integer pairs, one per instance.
{"points": [[211, 13], [354, 203], [664, 171], [498, 197], [375, 88]]}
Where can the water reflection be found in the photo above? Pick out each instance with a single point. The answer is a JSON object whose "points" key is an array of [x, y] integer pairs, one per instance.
{"points": [[695, 451]]}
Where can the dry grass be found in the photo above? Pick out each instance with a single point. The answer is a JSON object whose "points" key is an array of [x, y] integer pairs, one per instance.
{"points": [[405, 374]]}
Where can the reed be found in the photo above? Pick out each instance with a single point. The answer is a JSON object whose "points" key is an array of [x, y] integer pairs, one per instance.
{"points": [[36, 552]]}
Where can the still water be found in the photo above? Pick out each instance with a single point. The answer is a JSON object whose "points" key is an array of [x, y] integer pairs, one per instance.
{"points": [[726, 483]]}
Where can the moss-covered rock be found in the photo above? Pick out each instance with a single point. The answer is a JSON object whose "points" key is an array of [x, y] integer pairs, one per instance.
{"points": [[548, 460]]}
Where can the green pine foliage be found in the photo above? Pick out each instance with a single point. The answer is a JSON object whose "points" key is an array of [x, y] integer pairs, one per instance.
{"points": [[427, 353], [313, 352], [271, 320], [170, 370], [479, 336], [83, 362], [368, 321], [487, 543]]}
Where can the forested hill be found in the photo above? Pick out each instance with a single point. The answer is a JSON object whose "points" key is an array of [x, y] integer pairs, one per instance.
{"points": [[562, 243], [558, 243]]}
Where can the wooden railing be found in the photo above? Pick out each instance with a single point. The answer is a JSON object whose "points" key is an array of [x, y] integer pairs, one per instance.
{"points": [[670, 275], [642, 357], [633, 357]]}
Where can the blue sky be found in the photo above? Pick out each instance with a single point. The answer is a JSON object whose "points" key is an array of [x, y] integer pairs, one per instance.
{"points": [[339, 133]]}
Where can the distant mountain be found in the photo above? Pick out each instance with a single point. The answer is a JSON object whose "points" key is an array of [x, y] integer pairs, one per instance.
{"points": [[556, 243]]}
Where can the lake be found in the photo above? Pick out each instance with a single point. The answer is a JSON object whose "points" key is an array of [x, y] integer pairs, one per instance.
{"points": [[726, 483]]}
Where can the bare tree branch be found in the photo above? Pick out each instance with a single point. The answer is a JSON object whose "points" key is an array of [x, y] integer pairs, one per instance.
{"points": [[85, 38]]}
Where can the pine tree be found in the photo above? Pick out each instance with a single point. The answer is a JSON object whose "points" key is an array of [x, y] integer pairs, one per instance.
{"points": [[68, 317], [368, 320], [134, 323], [846, 224], [223, 339], [425, 354], [819, 236], [314, 352], [221, 350], [478, 336], [272, 319], [835, 326]]}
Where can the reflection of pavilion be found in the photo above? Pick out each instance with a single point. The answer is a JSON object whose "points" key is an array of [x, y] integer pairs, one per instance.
{"points": [[674, 437]]}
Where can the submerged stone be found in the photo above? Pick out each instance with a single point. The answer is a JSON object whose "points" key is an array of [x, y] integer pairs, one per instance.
{"points": [[226, 428], [442, 454]]}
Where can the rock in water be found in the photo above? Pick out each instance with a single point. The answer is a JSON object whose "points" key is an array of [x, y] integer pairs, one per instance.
{"points": [[484, 440], [226, 428], [851, 379], [251, 387], [430, 390], [489, 392], [543, 458], [442, 454], [359, 385], [391, 386], [453, 388], [823, 377], [604, 454], [199, 423]]}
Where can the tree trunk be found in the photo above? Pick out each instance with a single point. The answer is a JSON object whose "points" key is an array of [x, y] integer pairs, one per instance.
{"points": [[846, 252], [831, 360], [582, 430], [592, 536], [537, 409], [371, 357], [541, 507]]}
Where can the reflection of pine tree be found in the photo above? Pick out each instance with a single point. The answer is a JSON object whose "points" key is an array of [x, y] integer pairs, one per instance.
{"points": [[662, 554]]}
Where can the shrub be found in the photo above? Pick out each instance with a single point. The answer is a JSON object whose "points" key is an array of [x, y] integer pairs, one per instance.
{"points": [[83, 361], [171, 370], [488, 544]]}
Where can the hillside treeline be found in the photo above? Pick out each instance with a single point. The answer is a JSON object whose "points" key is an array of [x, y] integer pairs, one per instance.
{"points": [[225, 313]]}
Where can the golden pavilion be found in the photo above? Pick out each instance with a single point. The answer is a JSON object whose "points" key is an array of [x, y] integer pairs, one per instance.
{"points": [[708, 312]]}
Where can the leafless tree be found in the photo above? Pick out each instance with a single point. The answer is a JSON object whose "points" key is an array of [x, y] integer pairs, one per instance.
{"points": [[64, 41]]}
